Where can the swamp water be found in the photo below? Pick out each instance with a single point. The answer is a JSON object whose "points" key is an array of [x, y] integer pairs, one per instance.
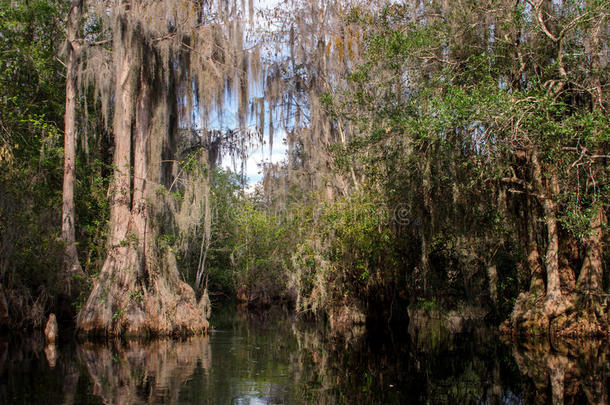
{"points": [[268, 358]]}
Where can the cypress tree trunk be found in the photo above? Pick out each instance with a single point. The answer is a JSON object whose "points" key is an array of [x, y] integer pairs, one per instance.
{"points": [[554, 299], [72, 265], [427, 224], [527, 315], [590, 279], [555, 302], [139, 291]]}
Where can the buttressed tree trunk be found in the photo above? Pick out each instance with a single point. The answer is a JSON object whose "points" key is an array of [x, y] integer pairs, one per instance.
{"points": [[72, 265], [590, 279], [547, 190], [167, 57], [555, 302], [139, 291]]}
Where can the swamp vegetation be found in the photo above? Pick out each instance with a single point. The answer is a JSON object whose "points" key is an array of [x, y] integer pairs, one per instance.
{"points": [[447, 164]]}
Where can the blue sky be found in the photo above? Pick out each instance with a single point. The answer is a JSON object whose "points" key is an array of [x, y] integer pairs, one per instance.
{"points": [[257, 155]]}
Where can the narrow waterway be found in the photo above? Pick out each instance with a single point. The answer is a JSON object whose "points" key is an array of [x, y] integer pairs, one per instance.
{"points": [[268, 358]]}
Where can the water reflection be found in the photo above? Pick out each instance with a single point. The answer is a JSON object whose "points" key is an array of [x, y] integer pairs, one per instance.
{"points": [[414, 366], [564, 371], [50, 351], [33, 373], [268, 358], [144, 372]]}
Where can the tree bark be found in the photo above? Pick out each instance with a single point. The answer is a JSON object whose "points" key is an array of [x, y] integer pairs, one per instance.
{"points": [[105, 299], [557, 365], [125, 88], [555, 302], [594, 50], [139, 291], [72, 265], [533, 254], [590, 279], [533, 261], [426, 226], [554, 298], [492, 273]]}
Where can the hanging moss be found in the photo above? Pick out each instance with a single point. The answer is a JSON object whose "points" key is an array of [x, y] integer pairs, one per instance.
{"points": [[166, 60]]}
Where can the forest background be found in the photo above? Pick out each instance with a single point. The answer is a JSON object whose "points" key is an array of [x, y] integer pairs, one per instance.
{"points": [[440, 156]]}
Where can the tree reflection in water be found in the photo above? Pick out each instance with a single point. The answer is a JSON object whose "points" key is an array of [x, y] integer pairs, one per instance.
{"points": [[564, 371], [269, 358], [151, 372]]}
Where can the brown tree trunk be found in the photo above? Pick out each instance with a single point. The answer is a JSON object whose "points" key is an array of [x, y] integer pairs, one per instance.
{"points": [[591, 275], [533, 254], [554, 298], [424, 260], [557, 365], [594, 51], [492, 273], [139, 211], [555, 302], [120, 191], [590, 279], [104, 301], [527, 316], [426, 226], [72, 265], [139, 291]]}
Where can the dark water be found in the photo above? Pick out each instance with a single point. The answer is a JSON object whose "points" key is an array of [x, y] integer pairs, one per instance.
{"points": [[269, 359]]}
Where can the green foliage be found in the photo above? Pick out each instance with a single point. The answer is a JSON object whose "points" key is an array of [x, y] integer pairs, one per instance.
{"points": [[31, 110], [443, 115], [428, 305], [224, 200], [261, 252], [92, 210], [349, 242], [32, 100]]}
